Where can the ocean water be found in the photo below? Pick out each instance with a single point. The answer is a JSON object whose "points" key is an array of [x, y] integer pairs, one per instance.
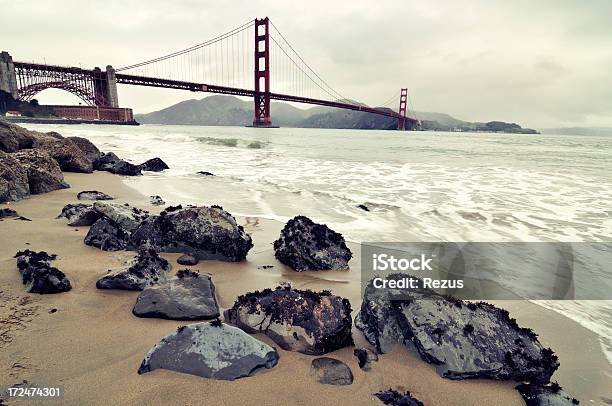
{"points": [[432, 186]]}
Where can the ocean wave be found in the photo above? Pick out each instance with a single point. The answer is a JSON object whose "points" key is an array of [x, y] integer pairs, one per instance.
{"points": [[226, 142]]}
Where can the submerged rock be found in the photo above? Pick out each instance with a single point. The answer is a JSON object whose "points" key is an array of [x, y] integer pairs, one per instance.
{"points": [[463, 340], [113, 164], [93, 195], [188, 296], [187, 259], [306, 246], [43, 172], [298, 320], [545, 395], [157, 201], [205, 173], [146, 268], [38, 275], [330, 371], [154, 165], [363, 207], [79, 214], [203, 232], [395, 398], [107, 235], [13, 179], [123, 215], [212, 351]]}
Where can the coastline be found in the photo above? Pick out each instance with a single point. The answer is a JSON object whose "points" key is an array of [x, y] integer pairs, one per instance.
{"points": [[93, 344]]}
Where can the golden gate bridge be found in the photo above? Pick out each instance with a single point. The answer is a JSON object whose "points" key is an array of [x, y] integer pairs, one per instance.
{"points": [[254, 60]]}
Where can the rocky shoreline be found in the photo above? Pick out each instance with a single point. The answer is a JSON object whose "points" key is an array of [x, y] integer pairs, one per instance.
{"points": [[463, 340]]}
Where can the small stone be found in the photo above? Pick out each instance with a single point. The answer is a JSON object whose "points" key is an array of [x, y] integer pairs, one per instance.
{"points": [[7, 212], [93, 195], [187, 259], [205, 173], [154, 165], [363, 207], [364, 357], [396, 398], [157, 201], [330, 371]]}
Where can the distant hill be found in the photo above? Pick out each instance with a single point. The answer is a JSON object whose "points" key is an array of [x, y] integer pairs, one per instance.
{"points": [[225, 110]]}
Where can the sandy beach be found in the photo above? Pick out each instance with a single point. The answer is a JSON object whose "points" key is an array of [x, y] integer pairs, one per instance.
{"points": [[89, 341]]}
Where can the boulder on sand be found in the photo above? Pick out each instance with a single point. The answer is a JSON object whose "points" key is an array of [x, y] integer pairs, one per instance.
{"points": [[330, 371], [203, 232], [93, 195], [126, 217], [107, 235], [211, 350], [154, 165], [38, 275], [310, 322], [462, 339], [187, 259], [66, 152], [545, 395], [188, 296], [91, 152], [13, 179], [113, 164], [44, 173], [306, 246], [144, 269], [395, 398], [8, 212], [79, 214]]}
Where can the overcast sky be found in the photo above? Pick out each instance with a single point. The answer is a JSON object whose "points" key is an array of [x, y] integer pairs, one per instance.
{"points": [[543, 63]]}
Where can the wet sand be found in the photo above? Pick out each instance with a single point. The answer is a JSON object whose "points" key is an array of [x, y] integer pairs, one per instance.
{"points": [[93, 345]]}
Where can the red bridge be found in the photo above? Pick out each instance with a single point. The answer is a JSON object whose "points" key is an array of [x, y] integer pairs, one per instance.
{"points": [[224, 64]]}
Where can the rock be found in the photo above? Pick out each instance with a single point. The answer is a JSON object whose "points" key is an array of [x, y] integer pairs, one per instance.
{"points": [[146, 268], [126, 217], [38, 275], [187, 259], [363, 207], [310, 322], [306, 246], [203, 232], [107, 235], [13, 137], [545, 395], [157, 201], [205, 173], [113, 164], [330, 371], [93, 195], [395, 398], [463, 340], [210, 350], [154, 165], [67, 154], [23, 218], [91, 152], [80, 214], [7, 212], [13, 179], [43, 172], [188, 296], [364, 357]]}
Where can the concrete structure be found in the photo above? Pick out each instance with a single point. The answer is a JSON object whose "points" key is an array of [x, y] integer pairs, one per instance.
{"points": [[8, 80], [93, 113]]}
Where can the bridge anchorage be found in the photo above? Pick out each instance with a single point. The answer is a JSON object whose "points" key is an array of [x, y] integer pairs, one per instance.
{"points": [[250, 60]]}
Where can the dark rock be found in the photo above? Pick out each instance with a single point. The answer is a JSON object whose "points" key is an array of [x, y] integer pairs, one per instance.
{"points": [[434, 326], [38, 275], [7, 212], [107, 235], [23, 218], [188, 296], [67, 154], [44, 173], [157, 201], [80, 214], [310, 322], [545, 395], [306, 246], [187, 259], [365, 357], [13, 137], [146, 268], [126, 217], [13, 179], [203, 232], [210, 351], [170, 209], [91, 152], [55, 134], [154, 165], [363, 207], [395, 398], [205, 173], [113, 164], [93, 195], [330, 371]]}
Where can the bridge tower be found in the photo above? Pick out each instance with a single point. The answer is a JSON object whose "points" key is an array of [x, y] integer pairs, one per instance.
{"points": [[401, 120], [262, 73], [105, 87], [8, 78]]}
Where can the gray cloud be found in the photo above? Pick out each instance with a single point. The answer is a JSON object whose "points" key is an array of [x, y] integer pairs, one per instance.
{"points": [[544, 63]]}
